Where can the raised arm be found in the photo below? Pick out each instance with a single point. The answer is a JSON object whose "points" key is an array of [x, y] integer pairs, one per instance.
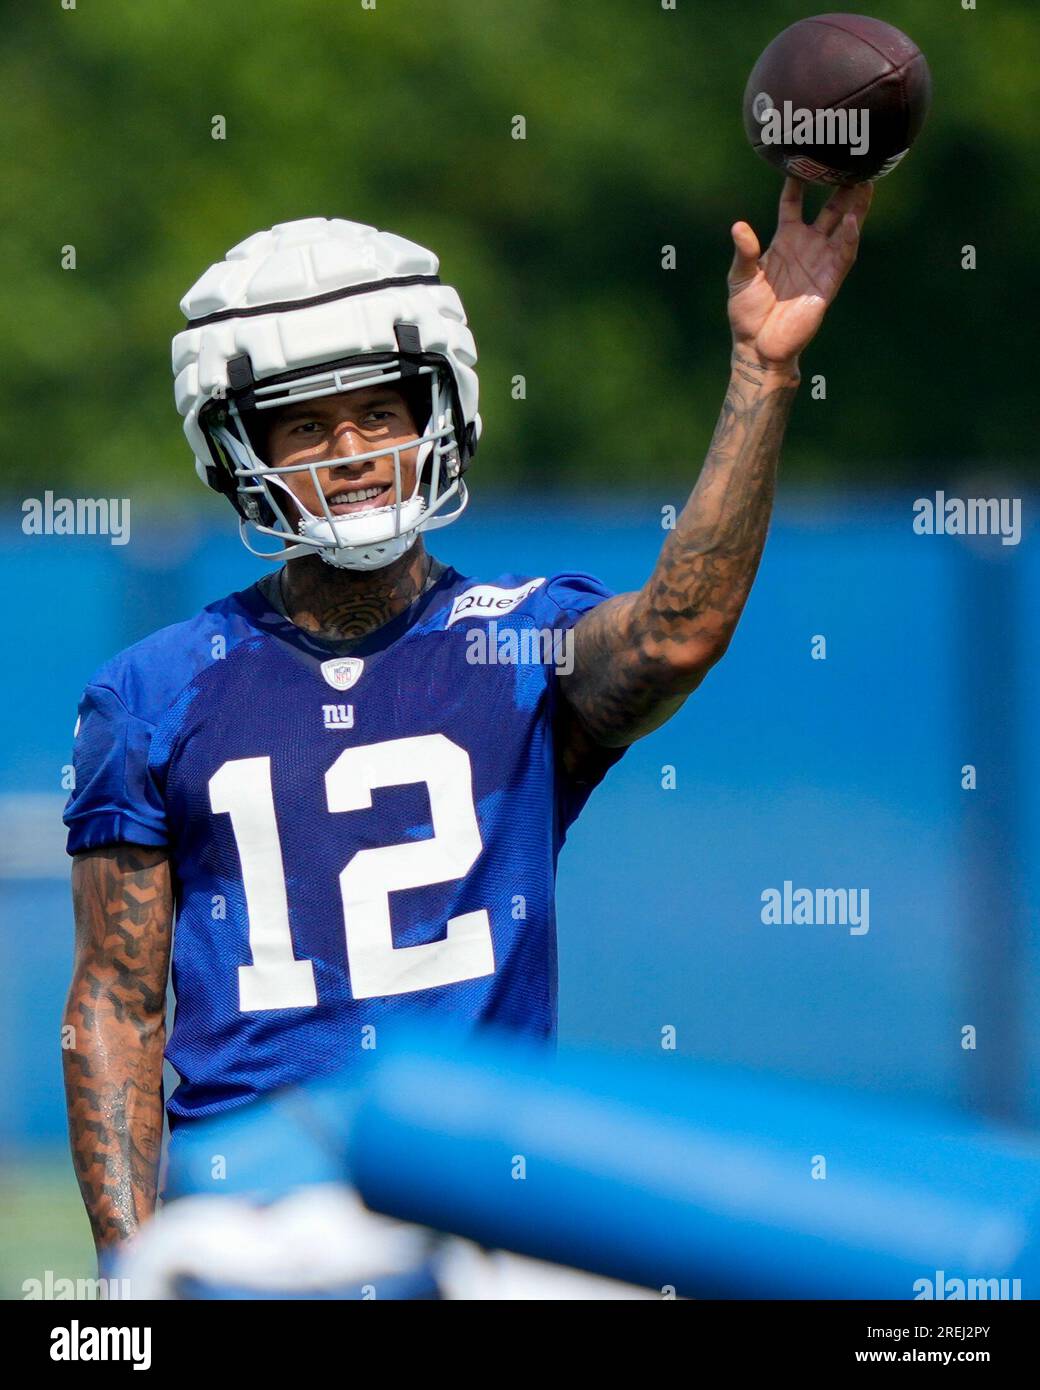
{"points": [[115, 1033], [639, 655]]}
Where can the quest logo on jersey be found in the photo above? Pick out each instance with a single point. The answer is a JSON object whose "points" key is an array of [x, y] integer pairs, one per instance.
{"points": [[489, 601], [343, 672]]}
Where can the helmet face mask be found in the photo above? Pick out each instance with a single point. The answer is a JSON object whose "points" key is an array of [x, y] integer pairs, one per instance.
{"points": [[364, 540], [313, 309]]}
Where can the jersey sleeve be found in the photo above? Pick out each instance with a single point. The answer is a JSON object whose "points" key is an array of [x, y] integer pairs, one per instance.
{"points": [[115, 798], [566, 599]]}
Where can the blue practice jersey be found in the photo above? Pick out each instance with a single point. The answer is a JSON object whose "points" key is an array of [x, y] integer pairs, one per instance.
{"points": [[353, 837]]}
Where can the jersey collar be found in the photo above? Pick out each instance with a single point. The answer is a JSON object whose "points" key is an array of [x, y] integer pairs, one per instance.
{"points": [[266, 618]]}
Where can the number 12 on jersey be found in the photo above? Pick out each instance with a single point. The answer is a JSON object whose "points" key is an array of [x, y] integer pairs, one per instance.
{"points": [[242, 790]]}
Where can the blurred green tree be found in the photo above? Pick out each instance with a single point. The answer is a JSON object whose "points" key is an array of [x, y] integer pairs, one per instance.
{"points": [[402, 115]]}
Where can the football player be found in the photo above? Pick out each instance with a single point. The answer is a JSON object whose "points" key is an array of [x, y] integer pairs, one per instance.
{"points": [[350, 812]]}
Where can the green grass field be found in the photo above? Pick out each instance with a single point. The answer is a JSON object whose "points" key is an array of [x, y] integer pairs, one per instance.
{"points": [[42, 1222]]}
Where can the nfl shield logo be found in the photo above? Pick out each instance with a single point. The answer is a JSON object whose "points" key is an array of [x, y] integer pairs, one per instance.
{"points": [[343, 672]]}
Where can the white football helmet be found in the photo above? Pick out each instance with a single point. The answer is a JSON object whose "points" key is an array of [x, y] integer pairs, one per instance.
{"points": [[308, 309]]}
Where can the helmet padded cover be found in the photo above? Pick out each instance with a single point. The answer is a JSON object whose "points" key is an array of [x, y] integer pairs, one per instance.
{"points": [[316, 260]]}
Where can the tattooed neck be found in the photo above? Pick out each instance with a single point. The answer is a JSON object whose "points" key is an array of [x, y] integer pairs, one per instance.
{"points": [[339, 603]]}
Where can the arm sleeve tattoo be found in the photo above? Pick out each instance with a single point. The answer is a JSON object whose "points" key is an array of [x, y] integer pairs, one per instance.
{"points": [[114, 1034], [637, 656]]}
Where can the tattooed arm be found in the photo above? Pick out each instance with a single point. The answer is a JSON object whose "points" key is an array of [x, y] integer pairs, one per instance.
{"points": [[639, 655], [116, 1025]]}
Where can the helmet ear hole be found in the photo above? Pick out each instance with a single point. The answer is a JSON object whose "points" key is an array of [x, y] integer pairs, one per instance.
{"points": [[221, 474], [257, 430], [417, 395]]}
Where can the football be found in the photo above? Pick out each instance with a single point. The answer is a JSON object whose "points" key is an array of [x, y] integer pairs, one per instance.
{"points": [[837, 99]]}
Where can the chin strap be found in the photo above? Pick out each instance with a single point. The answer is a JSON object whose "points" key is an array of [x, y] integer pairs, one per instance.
{"points": [[356, 557], [369, 557]]}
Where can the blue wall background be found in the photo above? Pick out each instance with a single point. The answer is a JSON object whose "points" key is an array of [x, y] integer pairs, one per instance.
{"points": [[837, 773]]}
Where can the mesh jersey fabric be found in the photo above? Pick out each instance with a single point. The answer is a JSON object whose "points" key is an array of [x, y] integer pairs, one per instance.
{"points": [[340, 815]]}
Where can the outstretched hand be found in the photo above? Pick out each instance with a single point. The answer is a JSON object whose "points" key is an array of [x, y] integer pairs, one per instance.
{"points": [[777, 301]]}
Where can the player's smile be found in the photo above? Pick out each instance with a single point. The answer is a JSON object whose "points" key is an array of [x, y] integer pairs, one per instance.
{"points": [[358, 497]]}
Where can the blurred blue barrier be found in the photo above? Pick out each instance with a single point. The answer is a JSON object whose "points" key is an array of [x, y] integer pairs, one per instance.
{"points": [[710, 1181], [843, 773]]}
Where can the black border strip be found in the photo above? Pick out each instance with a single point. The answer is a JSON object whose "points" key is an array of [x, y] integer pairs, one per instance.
{"points": [[254, 309]]}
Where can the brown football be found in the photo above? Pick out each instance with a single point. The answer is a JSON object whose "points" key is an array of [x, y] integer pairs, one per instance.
{"points": [[839, 98]]}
